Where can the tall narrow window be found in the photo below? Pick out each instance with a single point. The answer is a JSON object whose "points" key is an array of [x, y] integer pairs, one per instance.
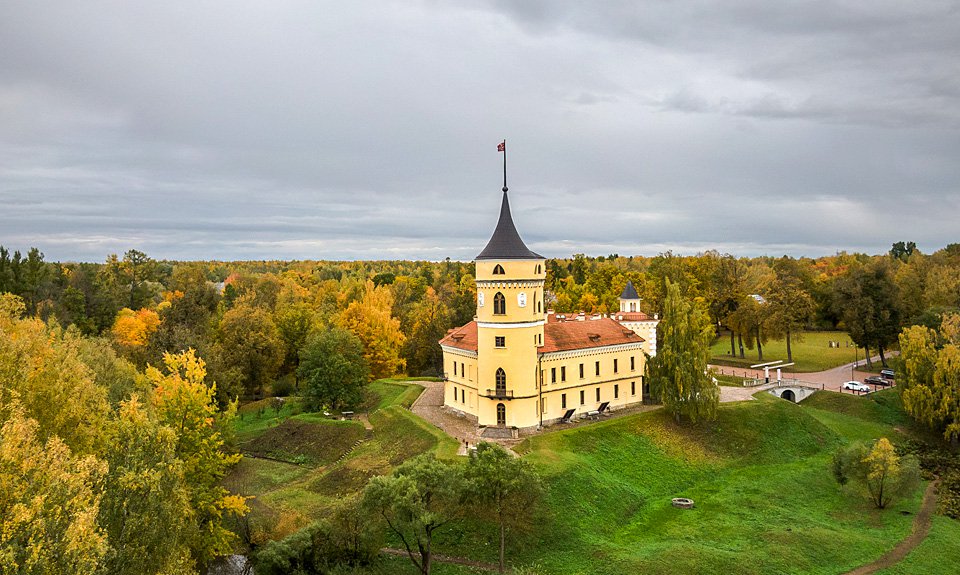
{"points": [[614, 366], [633, 388], [454, 368], [563, 401], [553, 375], [581, 371], [616, 391], [499, 304], [501, 381], [582, 400], [498, 270], [598, 368], [501, 414], [598, 394], [633, 364], [563, 373]]}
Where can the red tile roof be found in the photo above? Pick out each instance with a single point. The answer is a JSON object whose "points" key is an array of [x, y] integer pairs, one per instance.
{"points": [[464, 337], [557, 335], [570, 335]]}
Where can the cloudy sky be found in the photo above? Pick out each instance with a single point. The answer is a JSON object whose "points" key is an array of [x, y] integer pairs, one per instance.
{"points": [[368, 130]]}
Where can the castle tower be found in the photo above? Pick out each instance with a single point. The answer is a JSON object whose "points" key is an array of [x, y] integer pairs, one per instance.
{"points": [[510, 319], [629, 300]]}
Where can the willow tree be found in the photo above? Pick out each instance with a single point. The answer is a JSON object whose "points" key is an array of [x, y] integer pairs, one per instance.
{"points": [[678, 372]]}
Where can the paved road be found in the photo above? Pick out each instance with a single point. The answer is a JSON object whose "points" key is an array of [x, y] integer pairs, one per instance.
{"points": [[831, 379]]}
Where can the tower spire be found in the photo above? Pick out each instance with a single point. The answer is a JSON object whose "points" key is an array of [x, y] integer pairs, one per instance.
{"points": [[502, 147]]}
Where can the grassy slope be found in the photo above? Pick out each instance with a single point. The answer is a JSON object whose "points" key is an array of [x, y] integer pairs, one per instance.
{"points": [[766, 502], [812, 353], [939, 552], [289, 496]]}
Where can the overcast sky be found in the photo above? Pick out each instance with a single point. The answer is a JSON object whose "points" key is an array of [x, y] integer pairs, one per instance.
{"points": [[368, 130]]}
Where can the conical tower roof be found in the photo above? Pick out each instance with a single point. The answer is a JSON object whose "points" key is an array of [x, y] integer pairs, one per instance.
{"points": [[629, 292], [505, 244]]}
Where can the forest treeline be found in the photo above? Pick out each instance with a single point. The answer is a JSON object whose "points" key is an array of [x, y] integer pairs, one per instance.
{"points": [[250, 320]]}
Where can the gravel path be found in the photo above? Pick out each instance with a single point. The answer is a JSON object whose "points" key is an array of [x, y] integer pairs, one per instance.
{"points": [[921, 527]]}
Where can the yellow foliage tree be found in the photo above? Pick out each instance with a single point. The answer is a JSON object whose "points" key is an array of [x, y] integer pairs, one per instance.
{"points": [[184, 403], [132, 329], [930, 385], [48, 505], [371, 321]]}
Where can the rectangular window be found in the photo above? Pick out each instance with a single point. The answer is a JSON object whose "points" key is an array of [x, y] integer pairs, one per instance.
{"points": [[633, 365], [614, 366], [563, 373], [598, 394], [563, 401], [598, 368], [454, 393], [581, 371], [454, 368], [463, 370], [500, 341], [542, 380], [582, 401], [616, 391], [633, 388], [553, 375]]}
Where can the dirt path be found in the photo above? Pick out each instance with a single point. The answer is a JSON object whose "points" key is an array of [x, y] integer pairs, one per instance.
{"points": [[445, 559], [921, 527]]}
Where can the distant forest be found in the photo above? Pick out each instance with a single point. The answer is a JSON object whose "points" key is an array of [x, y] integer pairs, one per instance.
{"points": [[249, 320]]}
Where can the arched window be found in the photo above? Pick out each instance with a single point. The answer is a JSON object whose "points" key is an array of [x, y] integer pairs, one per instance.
{"points": [[501, 414], [538, 269], [499, 304], [633, 306], [498, 270], [501, 381]]}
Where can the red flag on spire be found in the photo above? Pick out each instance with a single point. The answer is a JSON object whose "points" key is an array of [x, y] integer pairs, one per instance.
{"points": [[502, 146]]}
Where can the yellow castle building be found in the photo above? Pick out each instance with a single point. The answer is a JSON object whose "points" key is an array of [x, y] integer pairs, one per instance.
{"points": [[518, 365]]}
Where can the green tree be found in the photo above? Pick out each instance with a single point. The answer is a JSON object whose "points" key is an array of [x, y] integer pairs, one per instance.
{"points": [[503, 487], [678, 372], [333, 369], [250, 343], [789, 301], [876, 473], [867, 301], [421, 497]]}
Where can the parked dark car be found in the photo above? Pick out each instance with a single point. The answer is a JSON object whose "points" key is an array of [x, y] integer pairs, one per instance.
{"points": [[876, 380], [887, 374]]}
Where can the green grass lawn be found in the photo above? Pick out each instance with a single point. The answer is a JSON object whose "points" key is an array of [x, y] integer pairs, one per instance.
{"points": [[938, 553], [811, 352]]}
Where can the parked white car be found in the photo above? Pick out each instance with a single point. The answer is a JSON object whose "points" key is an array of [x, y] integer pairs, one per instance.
{"points": [[856, 386]]}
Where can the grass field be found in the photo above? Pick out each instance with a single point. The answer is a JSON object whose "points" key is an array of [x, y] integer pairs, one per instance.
{"points": [[811, 352], [766, 501]]}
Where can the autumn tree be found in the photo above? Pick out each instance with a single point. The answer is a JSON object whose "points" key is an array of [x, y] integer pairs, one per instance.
{"points": [[48, 503], [678, 372], [504, 488], [421, 497], [876, 473], [930, 380], [333, 369], [145, 510], [371, 321], [186, 404]]}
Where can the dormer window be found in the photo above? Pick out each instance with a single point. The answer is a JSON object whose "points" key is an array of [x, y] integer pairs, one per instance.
{"points": [[498, 270]]}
